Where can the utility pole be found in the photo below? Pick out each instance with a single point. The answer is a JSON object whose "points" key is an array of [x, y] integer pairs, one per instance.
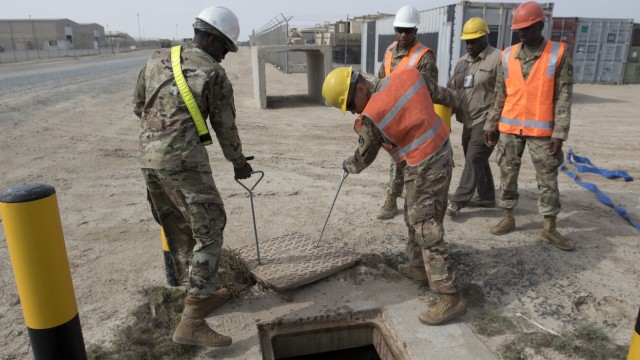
{"points": [[139, 33], [35, 41], [176, 32], [346, 36]]}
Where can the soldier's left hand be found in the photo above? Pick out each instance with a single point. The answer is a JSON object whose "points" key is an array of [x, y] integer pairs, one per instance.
{"points": [[555, 147]]}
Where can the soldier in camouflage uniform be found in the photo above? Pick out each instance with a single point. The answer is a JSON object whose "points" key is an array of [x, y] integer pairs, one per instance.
{"points": [[427, 183], [404, 48], [543, 135], [175, 163]]}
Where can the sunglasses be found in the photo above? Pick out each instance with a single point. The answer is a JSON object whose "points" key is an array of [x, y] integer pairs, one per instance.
{"points": [[401, 30], [226, 47], [224, 44]]}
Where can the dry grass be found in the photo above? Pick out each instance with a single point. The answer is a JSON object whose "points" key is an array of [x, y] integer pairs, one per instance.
{"points": [[149, 337], [586, 341]]}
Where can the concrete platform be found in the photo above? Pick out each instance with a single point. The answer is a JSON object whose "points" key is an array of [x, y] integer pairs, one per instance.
{"points": [[353, 290], [318, 66]]}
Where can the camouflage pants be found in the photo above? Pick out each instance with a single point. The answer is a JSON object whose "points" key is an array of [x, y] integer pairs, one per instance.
{"points": [[189, 208], [509, 153], [396, 179], [427, 187]]}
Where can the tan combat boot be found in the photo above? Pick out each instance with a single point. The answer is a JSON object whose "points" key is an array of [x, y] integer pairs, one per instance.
{"points": [[448, 307], [417, 273], [193, 329], [552, 236], [389, 208], [505, 225]]}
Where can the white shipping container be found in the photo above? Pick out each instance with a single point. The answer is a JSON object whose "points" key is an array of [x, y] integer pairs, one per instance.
{"points": [[603, 43], [440, 29], [585, 70]]}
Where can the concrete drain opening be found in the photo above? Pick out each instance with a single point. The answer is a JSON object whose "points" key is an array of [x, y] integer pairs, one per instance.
{"points": [[363, 335]]}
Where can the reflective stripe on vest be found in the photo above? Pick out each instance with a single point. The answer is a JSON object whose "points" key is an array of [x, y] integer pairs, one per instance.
{"points": [[187, 97], [403, 111], [411, 59], [528, 108]]}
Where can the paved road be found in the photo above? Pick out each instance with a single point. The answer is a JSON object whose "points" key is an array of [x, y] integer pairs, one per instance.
{"points": [[25, 76]]}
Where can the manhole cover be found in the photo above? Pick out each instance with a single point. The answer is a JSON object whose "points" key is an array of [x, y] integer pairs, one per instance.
{"points": [[292, 260]]}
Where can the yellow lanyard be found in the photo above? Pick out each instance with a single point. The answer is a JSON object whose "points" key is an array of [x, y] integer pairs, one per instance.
{"points": [[187, 97]]}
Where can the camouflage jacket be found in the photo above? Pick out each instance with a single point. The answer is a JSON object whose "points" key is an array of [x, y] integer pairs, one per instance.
{"points": [[562, 92], [371, 139], [426, 65], [168, 137]]}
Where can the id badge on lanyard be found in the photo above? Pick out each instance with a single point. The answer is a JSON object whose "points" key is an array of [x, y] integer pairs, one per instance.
{"points": [[468, 81]]}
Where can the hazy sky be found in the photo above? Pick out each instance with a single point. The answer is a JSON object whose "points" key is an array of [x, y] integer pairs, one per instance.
{"points": [[171, 19]]}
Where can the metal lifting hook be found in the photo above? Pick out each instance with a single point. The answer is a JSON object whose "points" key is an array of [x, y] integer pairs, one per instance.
{"points": [[253, 215], [344, 176]]}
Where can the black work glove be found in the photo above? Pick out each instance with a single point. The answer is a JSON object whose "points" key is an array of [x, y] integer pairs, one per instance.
{"points": [[243, 172], [344, 166]]}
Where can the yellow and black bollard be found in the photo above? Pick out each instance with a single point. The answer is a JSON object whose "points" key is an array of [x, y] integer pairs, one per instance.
{"points": [[634, 348], [169, 268], [36, 247]]}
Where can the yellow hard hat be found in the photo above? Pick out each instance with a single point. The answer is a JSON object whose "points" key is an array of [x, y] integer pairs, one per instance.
{"points": [[336, 87], [474, 28]]}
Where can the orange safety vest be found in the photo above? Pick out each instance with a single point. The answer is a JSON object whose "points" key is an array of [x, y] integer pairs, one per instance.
{"points": [[403, 111], [528, 108], [411, 59]]}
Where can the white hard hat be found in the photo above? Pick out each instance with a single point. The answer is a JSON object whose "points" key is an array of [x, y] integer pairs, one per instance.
{"points": [[223, 20], [407, 17]]}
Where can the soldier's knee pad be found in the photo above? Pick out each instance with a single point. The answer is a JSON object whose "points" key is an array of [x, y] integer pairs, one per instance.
{"points": [[428, 233]]}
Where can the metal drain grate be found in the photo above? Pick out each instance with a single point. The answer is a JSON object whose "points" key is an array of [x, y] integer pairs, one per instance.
{"points": [[292, 260]]}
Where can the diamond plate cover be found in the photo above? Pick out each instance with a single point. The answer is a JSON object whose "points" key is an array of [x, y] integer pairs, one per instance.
{"points": [[292, 260]]}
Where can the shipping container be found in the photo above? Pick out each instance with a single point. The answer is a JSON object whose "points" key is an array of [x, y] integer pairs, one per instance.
{"points": [[599, 47], [564, 29], [632, 69], [440, 29]]}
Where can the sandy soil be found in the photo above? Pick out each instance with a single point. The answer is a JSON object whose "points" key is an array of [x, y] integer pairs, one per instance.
{"points": [[81, 138]]}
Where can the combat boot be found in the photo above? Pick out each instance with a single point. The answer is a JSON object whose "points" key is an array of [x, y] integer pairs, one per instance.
{"points": [[193, 329], [505, 225], [552, 236], [453, 210], [483, 203], [417, 273], [389, 209], [448, 307]]}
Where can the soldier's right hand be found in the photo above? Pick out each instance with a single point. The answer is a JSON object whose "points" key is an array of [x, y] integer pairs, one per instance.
{"points": [[490, 138], [243, 172]]}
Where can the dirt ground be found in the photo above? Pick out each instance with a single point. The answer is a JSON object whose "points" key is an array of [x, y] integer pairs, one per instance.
{"points": [[81, 138]]}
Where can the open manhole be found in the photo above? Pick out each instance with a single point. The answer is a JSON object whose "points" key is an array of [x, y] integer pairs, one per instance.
{"points": [[363, 335]]}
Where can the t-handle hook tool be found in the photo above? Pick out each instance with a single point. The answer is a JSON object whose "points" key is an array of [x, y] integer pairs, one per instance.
{"points": [[344, 176], [253, 215]]}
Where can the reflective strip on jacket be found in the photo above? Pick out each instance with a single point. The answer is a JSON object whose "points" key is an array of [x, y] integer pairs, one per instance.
{"points": [[528, 108], [404, 113], [411, 59]]}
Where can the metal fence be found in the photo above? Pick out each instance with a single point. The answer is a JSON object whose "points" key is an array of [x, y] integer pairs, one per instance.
{"points": [[276, 32]]}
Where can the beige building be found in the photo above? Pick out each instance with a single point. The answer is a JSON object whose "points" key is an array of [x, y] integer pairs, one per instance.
{"points": [[49, 34]]}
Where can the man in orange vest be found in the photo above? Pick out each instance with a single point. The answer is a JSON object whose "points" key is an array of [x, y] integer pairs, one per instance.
{"points": [[532, 106], [405, 51], [397, 113]]}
